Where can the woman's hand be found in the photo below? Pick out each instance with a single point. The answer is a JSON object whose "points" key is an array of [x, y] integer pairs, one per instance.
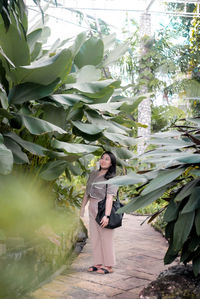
{"points": [[104, 221]]}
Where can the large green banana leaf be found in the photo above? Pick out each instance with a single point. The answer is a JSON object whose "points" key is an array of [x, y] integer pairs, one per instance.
{"points": [[52, 170], [14, 45], [31, 147], [44, 71], [38, 126], [70, 99], [26, 92], [32, 38], [74, 148], [90, 53], [87, 128], [129, 179], [6, 158], [115, 54], [19, 156], [164, 177]]}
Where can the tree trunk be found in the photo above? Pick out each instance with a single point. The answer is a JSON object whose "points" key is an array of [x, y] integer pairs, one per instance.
{"points": [[144, 109]]}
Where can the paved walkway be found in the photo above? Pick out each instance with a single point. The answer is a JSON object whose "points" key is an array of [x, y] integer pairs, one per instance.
{"points": [[139, 251]]}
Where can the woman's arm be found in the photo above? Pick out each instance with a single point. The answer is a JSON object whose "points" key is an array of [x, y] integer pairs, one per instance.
{"points": [[109, 201], [84, 203], [105, 219], [85, 197]]}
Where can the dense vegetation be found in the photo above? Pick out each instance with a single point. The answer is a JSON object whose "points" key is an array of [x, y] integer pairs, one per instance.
{"points": [[61, 107]]}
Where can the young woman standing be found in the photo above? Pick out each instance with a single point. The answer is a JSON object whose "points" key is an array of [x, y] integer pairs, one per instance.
{"points": [[101, 237]]}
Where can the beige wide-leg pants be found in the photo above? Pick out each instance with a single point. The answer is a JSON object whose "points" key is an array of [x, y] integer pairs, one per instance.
{"points": [[101, 238]]}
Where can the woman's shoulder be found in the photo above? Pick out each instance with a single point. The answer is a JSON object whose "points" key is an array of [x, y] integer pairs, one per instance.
{"points": [[94, 173]]}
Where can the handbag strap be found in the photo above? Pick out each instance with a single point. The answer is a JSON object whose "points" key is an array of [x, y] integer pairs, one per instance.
{"points": [[117, 196], [106, 191]]}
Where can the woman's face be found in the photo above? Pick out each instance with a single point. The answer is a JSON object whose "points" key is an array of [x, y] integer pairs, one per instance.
{"points": [[105, 161]]}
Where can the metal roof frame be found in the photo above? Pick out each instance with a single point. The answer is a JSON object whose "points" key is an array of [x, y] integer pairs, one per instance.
{"points": [[147, 8]]}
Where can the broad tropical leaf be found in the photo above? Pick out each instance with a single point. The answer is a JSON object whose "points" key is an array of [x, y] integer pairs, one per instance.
{"points": [[95, 89], [195, 120], [171, 142], [32, 38], [107, 107], [186, 190], [70, 99], [75, 168], [193, 202], [109, 41], [36, 51], [53, 170], [19, 156], [3, 98], [182, 229], [120, 139], [123, 153], [170, 255], [111, 126], [88, 73], [55, 115], [196, 265], [130, 179], [5, 113], [38, 126], [80, 39], [33, 148], [6, 158], [87, 128], [143, 200], [189, 159], [14, 45], [45, 71], [115, 54], [131, 105], [164, 177], [30, 91], [90, 53], [197, 222], [171, 212], [74, 148], [6, 57]]}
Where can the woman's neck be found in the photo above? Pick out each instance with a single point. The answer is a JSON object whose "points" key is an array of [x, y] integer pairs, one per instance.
{"points": [[102, 171]]}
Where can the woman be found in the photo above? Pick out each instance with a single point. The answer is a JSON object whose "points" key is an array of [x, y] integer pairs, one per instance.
{"points": [[101, 237]]}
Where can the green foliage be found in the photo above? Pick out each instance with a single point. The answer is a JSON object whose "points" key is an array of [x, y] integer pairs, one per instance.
{"points": [[68, 195], [178, 184], [194, 42], [181, 24], [86, 54], [152, 208], [56, 106], [16, 9], [163, 117], [159, 224], [25, 207]]}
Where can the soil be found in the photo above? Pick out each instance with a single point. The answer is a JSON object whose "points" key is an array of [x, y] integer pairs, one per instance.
{"points": [[177, 282]]}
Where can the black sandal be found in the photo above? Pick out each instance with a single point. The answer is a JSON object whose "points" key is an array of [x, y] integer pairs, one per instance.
{"points": [[93, 269], [105, 271]]}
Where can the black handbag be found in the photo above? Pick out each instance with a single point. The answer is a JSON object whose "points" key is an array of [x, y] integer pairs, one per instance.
{"points": [[115, 220]]}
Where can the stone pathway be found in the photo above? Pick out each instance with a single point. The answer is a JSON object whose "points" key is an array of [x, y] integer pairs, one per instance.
{"points": [[139, 251]]}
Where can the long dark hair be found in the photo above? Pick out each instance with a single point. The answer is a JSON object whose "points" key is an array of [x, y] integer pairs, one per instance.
{"points": [[112, 169]]}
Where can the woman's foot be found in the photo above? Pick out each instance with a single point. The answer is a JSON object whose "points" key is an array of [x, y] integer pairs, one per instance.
{"points": [[105, 270], [94, 268]]}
